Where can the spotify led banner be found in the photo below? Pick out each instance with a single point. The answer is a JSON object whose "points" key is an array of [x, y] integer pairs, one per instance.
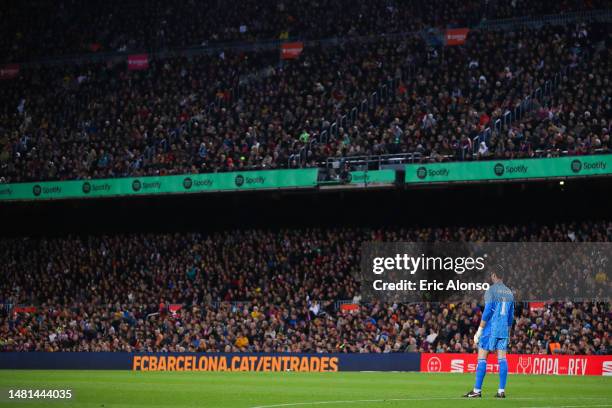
{"points": [[188, 183], [462, 271], [372, 177], [509, 169]]}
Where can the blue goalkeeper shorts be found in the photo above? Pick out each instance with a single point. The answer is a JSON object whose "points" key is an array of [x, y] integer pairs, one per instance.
{"points": [[493, 343]]}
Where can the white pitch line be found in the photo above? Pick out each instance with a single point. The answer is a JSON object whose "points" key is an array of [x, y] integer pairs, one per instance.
{"points": [[569, 406], [297, 404]]}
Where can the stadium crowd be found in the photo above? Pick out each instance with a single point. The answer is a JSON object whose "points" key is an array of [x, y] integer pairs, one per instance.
{"points": [[114, 123], [260, 291]]}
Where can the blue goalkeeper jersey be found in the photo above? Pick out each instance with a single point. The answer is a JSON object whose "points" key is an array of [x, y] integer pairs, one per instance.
{"points": [[498, 312]]}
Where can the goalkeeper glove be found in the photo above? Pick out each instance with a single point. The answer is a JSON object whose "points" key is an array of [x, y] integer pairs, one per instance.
{"points": [[477, 335]]}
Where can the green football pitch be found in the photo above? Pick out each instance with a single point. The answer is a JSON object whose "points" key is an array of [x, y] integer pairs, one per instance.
{"points": [[110, 389]]}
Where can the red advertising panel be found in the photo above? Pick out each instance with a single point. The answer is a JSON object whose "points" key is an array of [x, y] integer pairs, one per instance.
{"points": [[24, 309], [174, 308], [349, 307], [291, 50], [138, 62], [519, 364], [456, 36], [9, 71]]}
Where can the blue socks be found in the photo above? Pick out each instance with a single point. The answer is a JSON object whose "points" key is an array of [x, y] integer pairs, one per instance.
{"points": [[503, 373], [481, 370]]}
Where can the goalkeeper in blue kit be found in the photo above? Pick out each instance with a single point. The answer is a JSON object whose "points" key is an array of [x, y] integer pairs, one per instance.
{"points": [[493, 334]]}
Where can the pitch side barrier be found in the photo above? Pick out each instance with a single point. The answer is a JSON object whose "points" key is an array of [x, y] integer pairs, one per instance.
{"points": [[272, 362], [538, 364]]}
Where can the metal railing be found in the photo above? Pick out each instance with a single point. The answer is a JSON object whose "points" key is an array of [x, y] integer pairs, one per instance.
{"points": [[553, 19], [541, 95], [6, 307], [374, 161], [385, 92]]}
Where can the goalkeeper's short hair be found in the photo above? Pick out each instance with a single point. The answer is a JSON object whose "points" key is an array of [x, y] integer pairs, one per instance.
{"points": [[499, 271]]}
